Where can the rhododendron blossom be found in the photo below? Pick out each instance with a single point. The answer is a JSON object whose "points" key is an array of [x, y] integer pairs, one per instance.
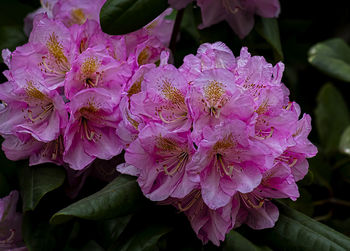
{"points": [[217, 137], [247, 142], [63, 99], [239, 14]]}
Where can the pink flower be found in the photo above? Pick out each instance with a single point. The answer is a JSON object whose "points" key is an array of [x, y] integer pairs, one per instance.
{"points": [[227, 162], [207, 223], [256, 210], [50, 46], [239, 14], [77, 11], [129, 127], [96, 70], [209, 56], [162, 98], [90, 133], [299, 149], [31, 110], [214, 97], [161, 157], [11, 224]]}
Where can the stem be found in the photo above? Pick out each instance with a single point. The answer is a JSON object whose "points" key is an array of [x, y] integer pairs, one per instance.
{"points": [[332, 201], [176, 30]]}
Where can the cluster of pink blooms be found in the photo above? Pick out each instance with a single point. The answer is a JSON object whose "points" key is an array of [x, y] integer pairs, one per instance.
{"points": [[217, 137], [239, 14], [61, 101]]}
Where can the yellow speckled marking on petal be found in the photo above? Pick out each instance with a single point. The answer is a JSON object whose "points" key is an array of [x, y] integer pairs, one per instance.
{"points": [[33, 92], [172, 94], [89, 66], [56, 49], [143, 56], [135, 87], [214, 92], [78, 16], [226, 143]]}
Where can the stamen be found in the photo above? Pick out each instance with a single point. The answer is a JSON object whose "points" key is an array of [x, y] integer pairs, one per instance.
{"points": [[89, 134], [46, 109], [221, 166], [181, 162], [227, 6], [9, 239], [190, 204], [293, 163], [171, 121], [250, 204]]}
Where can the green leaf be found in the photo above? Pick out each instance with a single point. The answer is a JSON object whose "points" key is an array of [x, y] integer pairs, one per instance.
{"points": [[332, 57], [92, 246], [124, 16], [332, 117], [344, 145], [268, 29], [236, 241], [296, 231], [38, 234], [110, 230], [37, 181], [118, 198], [144, 239]]}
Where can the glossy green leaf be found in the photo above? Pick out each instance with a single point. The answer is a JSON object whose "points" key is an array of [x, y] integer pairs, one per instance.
{"points": [[332, 117], [344, 145], [296, 231], [268, 29], [124, 16], [144, 239], [236, 241], [37, 181], [332, 57], [110, 230], [120, 197]]}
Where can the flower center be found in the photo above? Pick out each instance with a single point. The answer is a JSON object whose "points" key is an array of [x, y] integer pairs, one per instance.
{"points": [[214, 97], [174, 157], [252, 200], [55, 63], [176, 109]]}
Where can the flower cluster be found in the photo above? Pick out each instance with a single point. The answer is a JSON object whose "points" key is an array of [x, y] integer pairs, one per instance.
{"points": [[239, 14], [217, 138], [61, 101]]}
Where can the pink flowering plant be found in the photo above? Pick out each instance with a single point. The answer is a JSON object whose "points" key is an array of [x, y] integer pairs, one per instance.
{"points": [[170, 125]]}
